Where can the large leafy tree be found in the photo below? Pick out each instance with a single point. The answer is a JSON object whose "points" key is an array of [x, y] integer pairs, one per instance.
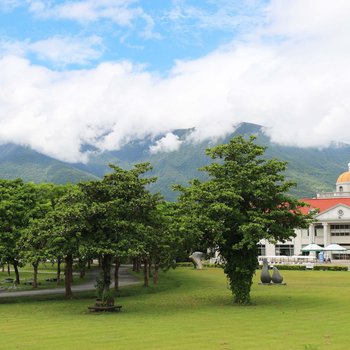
{"points": [[34, 241], [119, 214], [35, 238], [244, 200], [18, 205], [67, 231]]}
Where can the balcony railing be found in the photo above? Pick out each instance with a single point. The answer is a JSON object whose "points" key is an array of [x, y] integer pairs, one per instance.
{"points": [[333, 194]]}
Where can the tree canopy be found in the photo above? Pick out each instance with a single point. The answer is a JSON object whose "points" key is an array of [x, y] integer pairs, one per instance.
{"points": [[244, 200]]}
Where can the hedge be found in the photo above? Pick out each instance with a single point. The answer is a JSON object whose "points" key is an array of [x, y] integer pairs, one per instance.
{"points": [[189, 264], [315, 268], [280, 267], [330, 268]]}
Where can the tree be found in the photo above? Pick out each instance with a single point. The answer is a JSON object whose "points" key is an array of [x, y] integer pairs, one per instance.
{"points": [[68, 229], [17, 207], [163, 243], [119, 210], [244, 200], [34, 240]]}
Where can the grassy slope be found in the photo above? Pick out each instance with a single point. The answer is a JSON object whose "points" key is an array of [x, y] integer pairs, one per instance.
{"points": [[192, 309]]}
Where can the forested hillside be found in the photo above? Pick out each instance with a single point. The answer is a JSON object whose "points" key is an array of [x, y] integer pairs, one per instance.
{"points": [[312, 169]]}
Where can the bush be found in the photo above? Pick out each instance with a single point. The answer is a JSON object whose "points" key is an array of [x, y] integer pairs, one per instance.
{"points": [[184, 264], [190, 264], [330, 268], [289, 267], [316, 267], [299, 267]]}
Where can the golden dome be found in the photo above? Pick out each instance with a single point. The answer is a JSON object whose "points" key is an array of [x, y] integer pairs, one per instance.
{"points": [[344, 177]]}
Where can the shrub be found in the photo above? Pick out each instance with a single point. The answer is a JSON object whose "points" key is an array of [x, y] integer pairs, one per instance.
{"points": [[190, 264], [330, 268], [316, 267], [289, 267]]}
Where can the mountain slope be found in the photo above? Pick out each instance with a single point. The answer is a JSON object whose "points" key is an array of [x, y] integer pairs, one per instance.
{"points": [[22, 162], [314, 170]]}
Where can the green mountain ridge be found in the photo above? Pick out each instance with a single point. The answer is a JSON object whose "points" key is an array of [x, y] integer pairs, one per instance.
{"points": [[22, 162], [314, 170]]}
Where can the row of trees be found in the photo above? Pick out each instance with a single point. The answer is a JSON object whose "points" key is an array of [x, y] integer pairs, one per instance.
{"points": [[110, 219], [115, 218]]}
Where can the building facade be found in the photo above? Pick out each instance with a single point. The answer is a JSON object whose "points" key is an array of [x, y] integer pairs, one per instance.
{"points": [[331, 223]]}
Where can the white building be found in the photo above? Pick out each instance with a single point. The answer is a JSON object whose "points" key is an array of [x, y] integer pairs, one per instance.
{"points": [[331, 224]]}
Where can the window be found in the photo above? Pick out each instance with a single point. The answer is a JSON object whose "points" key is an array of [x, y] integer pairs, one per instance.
{"points": [[284, 249], [261, 250], [340, 230]]}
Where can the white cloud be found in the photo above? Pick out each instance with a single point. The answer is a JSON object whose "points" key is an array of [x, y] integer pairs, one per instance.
{"points": [[168, 143], [68, 50], [297, 86], [231, 16], [123, 13], [9, 5], [60, 50], [303, 18]]}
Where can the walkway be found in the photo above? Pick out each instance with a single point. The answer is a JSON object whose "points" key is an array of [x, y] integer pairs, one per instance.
{"points": [[125, 279]]}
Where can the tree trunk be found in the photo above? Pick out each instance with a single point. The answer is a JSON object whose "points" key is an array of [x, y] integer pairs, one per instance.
{"points": [[68, 271], [82, 265], [240, 268], [35, 275], [138, 266], [116, 273], [150, 268], [8, 270], [106, 265], [58, 275], [134, 264], [15, 266], [145, 273], [89, 264], [156, 274]]}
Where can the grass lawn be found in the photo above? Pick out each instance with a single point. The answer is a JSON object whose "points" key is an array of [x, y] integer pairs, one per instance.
{"points": [[191, 310]]}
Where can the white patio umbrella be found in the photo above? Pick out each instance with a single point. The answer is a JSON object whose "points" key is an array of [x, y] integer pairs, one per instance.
{"points": [[334, 248], [312, 247]]}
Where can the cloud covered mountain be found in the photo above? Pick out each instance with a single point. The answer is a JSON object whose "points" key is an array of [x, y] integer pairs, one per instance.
{"points": [[175, 158]]}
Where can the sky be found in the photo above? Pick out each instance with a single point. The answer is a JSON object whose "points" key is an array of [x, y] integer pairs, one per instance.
{"points": [[104, 72]]}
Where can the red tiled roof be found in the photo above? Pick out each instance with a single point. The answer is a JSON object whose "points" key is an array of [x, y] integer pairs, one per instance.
{"points": [[323, 203]]}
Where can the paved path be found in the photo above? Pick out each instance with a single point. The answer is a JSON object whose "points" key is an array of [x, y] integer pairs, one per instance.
{"points": [[125, 279]]}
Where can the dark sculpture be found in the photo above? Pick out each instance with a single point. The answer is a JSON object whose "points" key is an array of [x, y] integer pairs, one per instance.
{"points": [[276, 277], [265, 274]]}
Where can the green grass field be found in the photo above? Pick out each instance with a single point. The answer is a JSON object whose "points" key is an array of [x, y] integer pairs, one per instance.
{"points": [[191, 310]]}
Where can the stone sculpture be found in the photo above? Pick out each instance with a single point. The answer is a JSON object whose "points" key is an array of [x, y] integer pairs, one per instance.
{"points": [[265, 274], [196, 258], [276, 277]]}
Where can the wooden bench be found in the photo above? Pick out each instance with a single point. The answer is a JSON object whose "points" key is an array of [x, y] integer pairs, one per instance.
{"points": [[100, 308]]}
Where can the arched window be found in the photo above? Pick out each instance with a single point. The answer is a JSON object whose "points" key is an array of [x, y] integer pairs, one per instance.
{"points": [[340, 188]]}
